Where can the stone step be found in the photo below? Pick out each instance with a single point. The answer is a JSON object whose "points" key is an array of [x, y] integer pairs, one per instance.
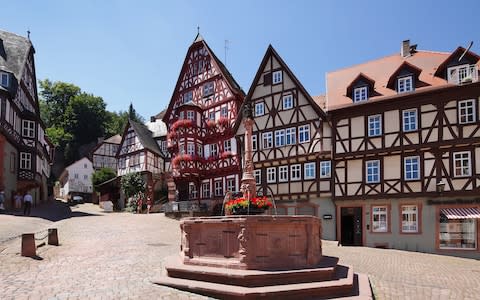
{"points": [[348, 285], [251, 278]]}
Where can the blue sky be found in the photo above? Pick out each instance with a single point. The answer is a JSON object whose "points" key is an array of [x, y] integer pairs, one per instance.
{"points": [[132, 51]]}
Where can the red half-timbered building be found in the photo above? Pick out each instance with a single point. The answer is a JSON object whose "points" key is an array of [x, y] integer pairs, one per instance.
{"points": [[200, 118]]}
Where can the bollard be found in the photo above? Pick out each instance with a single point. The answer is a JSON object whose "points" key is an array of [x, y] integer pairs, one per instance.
{"points": [[53, 236], [28, 245]]}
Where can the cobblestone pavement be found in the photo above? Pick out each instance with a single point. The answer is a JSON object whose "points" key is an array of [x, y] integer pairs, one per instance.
{"points": [[114, 256]]}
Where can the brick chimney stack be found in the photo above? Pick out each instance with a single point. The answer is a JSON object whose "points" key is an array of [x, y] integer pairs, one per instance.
{"points": [[405, 49]]}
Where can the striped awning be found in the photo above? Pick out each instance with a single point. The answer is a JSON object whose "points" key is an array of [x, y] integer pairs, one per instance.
{"points": [[461, 213]]}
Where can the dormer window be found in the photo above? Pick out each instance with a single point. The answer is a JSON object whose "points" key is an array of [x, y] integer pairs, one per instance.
{"points": [[462, 74], [360, 94], [4, 79], [188, 97], [277, 77], [405, 84]]}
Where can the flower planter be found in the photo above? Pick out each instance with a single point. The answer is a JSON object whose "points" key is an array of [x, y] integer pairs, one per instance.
{"points": [[247, 211]]}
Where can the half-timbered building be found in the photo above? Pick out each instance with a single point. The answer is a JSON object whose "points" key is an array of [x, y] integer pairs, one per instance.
{"points": [[25, 151], [406, 151], [291, 140], [200, 119], [104, 155]]}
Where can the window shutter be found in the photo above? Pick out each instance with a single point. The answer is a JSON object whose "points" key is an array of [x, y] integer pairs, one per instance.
{"points": [[267, 79]]}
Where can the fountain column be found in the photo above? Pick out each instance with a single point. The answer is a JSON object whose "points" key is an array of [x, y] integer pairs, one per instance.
{"points": [[248, 187]]}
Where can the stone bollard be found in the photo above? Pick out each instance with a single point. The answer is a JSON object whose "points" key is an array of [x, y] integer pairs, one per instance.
{"points": [[28, 245], [53, 236]]}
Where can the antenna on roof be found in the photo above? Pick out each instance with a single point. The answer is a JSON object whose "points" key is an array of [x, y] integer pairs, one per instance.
{"points": [[226, 48], [198, 29], [466, 50], [28, 34]]}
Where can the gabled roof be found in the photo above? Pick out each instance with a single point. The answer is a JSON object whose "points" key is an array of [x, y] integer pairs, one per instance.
{"points": [[234, 86], [116, 139], [405, 65], [14, 51], [143, 134], [380, 70], [269, 53], [360, 76], [457, 52]]}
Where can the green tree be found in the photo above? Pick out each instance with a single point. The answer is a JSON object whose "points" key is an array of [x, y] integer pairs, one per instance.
{"points": [[55, 97], [102, 175], [133, 115], [133, 184]]}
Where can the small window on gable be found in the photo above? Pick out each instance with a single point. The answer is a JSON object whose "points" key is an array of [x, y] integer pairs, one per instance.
{"points": [[360, 94], [208, 89], [188, 97], [4, 79], [277, 77], [287, 102], [259, 109], [405, 84]]}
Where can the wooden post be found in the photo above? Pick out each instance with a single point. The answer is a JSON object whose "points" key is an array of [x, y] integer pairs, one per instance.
{"points": [[53, 236], [28, 245]]}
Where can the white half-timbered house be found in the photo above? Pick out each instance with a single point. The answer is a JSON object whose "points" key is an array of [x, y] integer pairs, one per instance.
{"points": [[104, 155]]}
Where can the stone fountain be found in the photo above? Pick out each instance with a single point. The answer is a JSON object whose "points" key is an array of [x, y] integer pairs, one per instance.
{"points": [[258, 257]]}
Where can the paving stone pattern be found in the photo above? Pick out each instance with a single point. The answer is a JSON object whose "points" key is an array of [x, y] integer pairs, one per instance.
{"points": [[115, 255]]}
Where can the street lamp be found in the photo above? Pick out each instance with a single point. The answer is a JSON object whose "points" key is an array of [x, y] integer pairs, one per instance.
{"points": [[440, 186]]}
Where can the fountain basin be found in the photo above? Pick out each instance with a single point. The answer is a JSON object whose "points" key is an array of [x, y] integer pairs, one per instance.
{"points": [[252, 242]]}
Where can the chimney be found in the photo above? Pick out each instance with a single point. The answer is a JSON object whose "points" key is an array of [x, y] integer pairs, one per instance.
{"points": [[153, 119], [405, 49]]}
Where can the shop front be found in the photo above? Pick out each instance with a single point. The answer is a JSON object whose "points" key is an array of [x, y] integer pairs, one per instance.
{"points": [[457, 228]]}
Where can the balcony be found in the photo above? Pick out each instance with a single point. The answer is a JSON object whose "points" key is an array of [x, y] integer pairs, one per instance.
{"points": [[463, 74], [193, 165]]}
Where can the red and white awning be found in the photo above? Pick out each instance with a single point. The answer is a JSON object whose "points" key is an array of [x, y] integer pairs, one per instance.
{"points": [[461, 213]]}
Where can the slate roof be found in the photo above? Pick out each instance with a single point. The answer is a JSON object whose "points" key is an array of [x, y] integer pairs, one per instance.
{"points": [[116, 139], [14, 50], [145, 137]]}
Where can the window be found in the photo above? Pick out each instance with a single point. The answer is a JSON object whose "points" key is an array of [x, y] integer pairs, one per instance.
{"points": [[206, 190], [28, 129], [258, 176], [405, 84], [211, 116], [373, 171], [462, 74], [227, 145], [412, 168], [457, 233], [271, 175], [325, 169], [85, 177], [295, 172], [277, 77], [466, 111], [254, 142], [410, 120], [4, 79], [224, 111], [283, 173], [409, 218], [218, 188], [360, 94], [287, 102], [267, 140], [13, 162], [309, 169], [190, 115], [304, 133], [76, 176], [461, 163], [190, 148], [259, 109], [25, 160], [208, 89], [181, 115], [231, 184], [188, 97], [291, 136], [280, 138], [374, 125], [192, 190], [379, 219], [213, 150]]}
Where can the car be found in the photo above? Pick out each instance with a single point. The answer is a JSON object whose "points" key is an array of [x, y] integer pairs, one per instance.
{"points": [[77, 199]]}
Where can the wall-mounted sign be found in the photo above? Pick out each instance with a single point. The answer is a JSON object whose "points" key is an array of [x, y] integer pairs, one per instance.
{"points": [[327, 217]]}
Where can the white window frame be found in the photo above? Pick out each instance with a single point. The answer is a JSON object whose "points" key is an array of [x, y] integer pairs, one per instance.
{"points": [[258, 176], [280, 138], [4, 79], [380, 225], [462, 157], [405, 84], [304, 133], [277, 77], [230, 184], [267, 140], [28, 128], [410, 120], [211, 115], [291, 136], [188, 97], [259, 109], [224, 111], [227, 145], [374, 125], [466, 109], [409, 218], [271, 175], [374, 165], [190, 115], [206, 190], [192, 190], [25, 161], [282, 173], [287, 102], [309, 170], [213, 150], [360, 94], [218, 187], [295, 172], [208, 89], [411, 161], [254, 142], [325, 169], [191, 148]]}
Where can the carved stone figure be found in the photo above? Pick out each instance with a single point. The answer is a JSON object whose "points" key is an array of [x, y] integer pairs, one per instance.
{"points": [[247, 110], [243, 240]]}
